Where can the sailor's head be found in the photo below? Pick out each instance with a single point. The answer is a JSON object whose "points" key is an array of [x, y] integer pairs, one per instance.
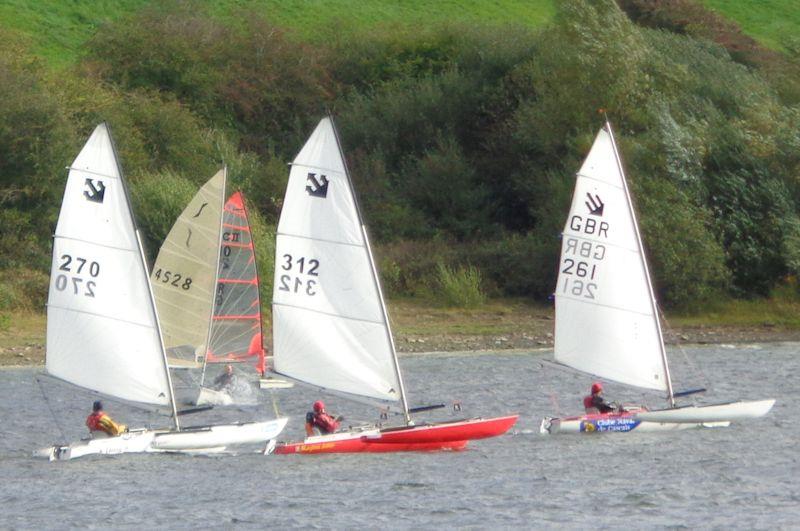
{"points": [[229, 369], [319, 406], [97, 406], [597, 388]]}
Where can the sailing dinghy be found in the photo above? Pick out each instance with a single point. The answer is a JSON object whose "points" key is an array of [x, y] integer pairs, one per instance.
{"points": [[606, 314], [103, 332], [330, 326], [206, 288]]}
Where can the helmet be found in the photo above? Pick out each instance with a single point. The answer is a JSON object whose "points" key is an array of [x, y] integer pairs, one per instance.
{"points": [[319, 406], [596, 388], [97, 406]]}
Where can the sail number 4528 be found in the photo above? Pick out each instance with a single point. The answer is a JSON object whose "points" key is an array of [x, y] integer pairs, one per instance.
{"points": [[299, 266]]}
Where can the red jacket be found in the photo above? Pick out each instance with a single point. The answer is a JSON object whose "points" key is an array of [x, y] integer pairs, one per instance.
{"points": [[326, 423]]}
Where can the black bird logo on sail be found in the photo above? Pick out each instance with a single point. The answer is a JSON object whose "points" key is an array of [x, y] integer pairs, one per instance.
{"points": [[594, 204], [95, 190], [317, 188]]}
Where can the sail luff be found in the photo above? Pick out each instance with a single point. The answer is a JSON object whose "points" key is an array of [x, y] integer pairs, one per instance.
{"points": [[375, 278], [653, 304], [143, 259], [216, 275]]}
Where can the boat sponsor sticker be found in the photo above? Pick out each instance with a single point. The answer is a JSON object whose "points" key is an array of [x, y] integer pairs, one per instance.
{"points": [[611, 424]]}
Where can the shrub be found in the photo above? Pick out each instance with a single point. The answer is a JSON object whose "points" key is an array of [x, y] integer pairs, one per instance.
{"points": [[459, 287]]}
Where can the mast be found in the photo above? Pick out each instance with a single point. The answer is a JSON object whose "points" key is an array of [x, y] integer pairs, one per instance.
{"points": [[654, 307], [147, 278], [375, 278], [216, 273]]}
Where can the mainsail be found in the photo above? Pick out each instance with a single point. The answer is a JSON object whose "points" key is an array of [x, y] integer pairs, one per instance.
{"points": [[102, 329], [184, 274], [606, 322], [329, 323], [236, 324]]}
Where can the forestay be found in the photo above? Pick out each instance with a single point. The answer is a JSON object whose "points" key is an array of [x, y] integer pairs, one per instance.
{"points": [[102, 331], [329, 326], [185, 271], [236, 325], [605, 316]]}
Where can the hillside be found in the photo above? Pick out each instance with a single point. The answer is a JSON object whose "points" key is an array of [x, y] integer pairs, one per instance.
{"points": [[463, 124], [771, 22], [58, 29]]}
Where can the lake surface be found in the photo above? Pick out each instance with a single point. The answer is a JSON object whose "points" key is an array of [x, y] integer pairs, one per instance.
{"points": [[745, 476]]}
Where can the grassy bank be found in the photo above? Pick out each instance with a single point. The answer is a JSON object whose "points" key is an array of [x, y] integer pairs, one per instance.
{"points": [[423, 326]]}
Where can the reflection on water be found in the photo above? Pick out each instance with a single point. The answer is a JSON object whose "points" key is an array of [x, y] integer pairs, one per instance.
{"points": [[743, 476]]}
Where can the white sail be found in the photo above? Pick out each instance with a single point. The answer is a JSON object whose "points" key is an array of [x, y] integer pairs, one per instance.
{"points": [[102, 331], [329, 327], [184, 274], [605, 316]]}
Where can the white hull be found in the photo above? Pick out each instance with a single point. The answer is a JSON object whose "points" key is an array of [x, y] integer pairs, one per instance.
{"points": [[715, 413], [202, 439], [597, 424]]}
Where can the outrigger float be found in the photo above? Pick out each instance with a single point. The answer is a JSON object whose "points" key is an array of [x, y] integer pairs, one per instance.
{"points": [[330, 324], [607, 320]]}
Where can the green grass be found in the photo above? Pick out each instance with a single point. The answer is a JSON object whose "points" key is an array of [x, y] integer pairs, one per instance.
{"points": [[57, 29], [781, 311], [770, 22]]}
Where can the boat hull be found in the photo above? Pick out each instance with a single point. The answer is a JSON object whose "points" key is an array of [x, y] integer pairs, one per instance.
{"points": [[714, 413], [204, 439], [625, 422], [423, 438]]}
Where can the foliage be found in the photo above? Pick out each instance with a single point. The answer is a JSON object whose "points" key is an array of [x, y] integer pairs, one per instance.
{"points": [[462, 137], [459, 287]]}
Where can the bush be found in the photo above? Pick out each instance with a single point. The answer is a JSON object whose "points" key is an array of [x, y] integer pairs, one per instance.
{"points": [[23, 289], [158, 199], [460, 287]]}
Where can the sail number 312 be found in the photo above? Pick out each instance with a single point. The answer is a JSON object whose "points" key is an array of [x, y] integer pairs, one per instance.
{"points": [[299, 266]]}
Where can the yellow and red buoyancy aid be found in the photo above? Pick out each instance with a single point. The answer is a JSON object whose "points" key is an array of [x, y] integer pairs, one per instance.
{"points": [[100, 421]]}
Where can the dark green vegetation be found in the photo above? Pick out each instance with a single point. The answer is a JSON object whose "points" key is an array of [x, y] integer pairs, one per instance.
{"points": [[463, 137]]}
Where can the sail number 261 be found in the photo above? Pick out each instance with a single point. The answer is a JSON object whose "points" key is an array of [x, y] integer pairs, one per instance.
{"points": [[299, 266]]}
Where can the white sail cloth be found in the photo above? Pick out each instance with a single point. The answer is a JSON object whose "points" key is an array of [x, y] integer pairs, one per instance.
{"points": [[329, 327], [605, 320], [102, 332]]}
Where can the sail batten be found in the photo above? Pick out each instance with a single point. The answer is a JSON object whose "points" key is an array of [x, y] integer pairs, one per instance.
{"points": [[605, 319]]}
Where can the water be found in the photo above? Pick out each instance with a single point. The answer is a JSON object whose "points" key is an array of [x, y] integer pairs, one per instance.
{"points": [[742, 477]]}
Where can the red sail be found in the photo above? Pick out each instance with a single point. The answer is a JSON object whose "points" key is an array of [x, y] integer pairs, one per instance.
{"points": [[236, 325]]}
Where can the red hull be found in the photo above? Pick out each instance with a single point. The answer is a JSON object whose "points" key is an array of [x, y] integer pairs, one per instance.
{"points": [[423, 438]]}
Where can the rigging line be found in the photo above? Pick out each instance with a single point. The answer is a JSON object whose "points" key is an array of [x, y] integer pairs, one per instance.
{"points": [[696, 369], [273, 395], [50, 408]]}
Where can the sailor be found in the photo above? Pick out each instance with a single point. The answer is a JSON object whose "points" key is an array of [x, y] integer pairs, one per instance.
{"points": [[595, 403], [100, 424], [225, 379], [321, 420]]}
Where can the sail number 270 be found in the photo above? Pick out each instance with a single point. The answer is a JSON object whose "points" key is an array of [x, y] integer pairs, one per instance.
{"points": [[299, 266], [77, 268]]}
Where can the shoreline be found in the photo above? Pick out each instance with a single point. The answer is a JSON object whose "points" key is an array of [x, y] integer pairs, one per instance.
{"points": [[31, 354]]}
